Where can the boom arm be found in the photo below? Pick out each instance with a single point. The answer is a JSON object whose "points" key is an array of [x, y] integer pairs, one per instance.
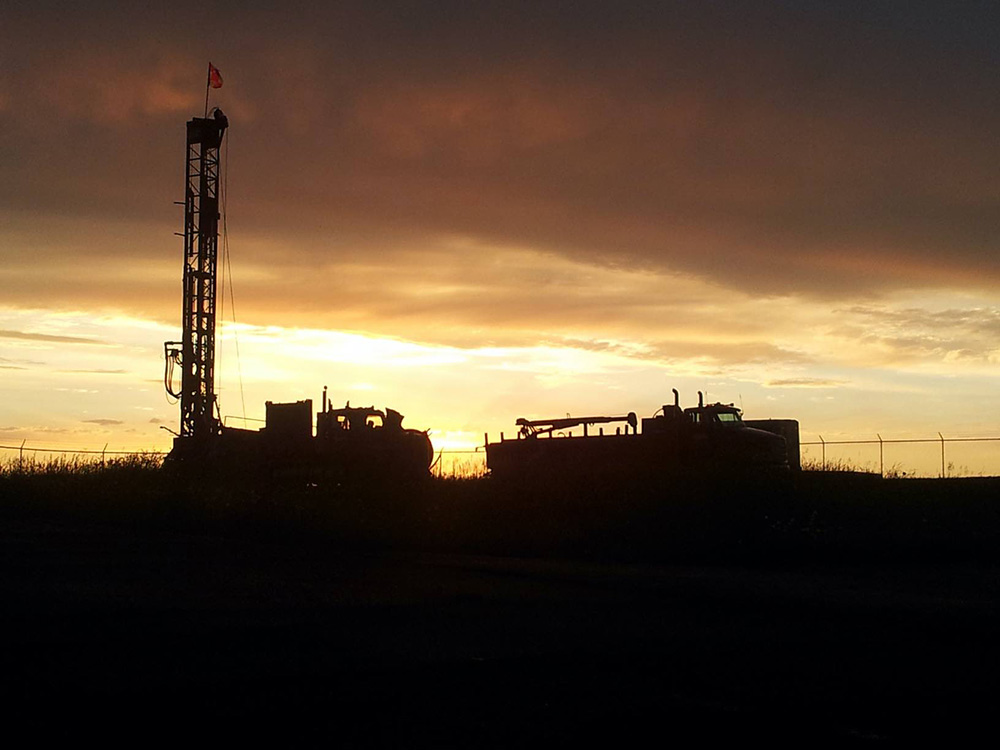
{"points": [[533, 428]]}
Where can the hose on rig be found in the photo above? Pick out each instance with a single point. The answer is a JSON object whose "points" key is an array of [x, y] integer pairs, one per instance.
{"points": [[172, 357]]}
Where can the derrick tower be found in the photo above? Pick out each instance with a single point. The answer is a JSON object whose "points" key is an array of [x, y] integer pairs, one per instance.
{"points": [[195, 353]]}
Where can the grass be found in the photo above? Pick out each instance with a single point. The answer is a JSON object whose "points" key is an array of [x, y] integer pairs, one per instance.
{"points": [[838, 513], [462, 469], [72, 464], [841, 465]]}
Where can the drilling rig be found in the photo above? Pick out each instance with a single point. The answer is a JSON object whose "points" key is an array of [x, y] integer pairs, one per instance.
{"points": [[195, 352], [352, 443]]}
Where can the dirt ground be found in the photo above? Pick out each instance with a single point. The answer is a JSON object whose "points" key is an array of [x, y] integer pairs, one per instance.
{"points": [[152, 638]]}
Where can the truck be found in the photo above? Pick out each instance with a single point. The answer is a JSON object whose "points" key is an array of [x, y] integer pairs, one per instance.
{"points": [[673, 443]]}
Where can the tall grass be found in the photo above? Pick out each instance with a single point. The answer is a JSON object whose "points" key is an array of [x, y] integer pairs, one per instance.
{"points": [[845, 466], [461, 469], [836, 512], [76, 464]]}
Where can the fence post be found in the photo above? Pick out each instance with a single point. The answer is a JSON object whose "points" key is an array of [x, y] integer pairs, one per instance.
{"points": [[103, 451], [824, 451], [943, 471], [881, 462], [20, 456]]}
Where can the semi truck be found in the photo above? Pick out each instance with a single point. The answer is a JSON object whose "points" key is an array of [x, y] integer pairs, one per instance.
{"points": [[675, 442]]}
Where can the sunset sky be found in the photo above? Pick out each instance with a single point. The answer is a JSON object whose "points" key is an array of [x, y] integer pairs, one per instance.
{"points": [[475, 211]]}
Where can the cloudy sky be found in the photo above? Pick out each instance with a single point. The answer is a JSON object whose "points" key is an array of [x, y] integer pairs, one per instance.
{"points": [[472, 212]]}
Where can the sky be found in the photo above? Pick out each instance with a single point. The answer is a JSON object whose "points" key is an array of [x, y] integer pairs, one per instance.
{"points": [[473, 212]]}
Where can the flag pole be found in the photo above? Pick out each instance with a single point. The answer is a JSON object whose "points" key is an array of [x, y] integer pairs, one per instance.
{"points": [[208, 86]]}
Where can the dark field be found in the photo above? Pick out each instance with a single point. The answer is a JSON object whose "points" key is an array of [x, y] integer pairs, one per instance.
{"points": [[840, 608]]}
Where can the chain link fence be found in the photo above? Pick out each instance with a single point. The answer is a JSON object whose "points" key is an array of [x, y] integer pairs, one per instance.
{"points": [[918, 457]]}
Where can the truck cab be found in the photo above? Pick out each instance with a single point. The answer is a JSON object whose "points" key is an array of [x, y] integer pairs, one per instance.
{"points": [[716, 434], [724, 415]]}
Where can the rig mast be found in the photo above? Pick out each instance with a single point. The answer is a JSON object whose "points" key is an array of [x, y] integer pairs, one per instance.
{"points": [[195, 353]]}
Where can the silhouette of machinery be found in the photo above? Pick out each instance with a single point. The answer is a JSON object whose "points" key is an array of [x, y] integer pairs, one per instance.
{"points": [[350, 443], [674, 443], [195, 353]]}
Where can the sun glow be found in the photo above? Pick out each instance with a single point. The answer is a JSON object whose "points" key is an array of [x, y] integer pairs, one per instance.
{"points": [[79, 380]]}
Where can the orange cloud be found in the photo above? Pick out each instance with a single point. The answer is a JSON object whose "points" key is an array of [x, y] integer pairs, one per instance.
{"points": [[481, 119], [801, 157], [101, 87]]}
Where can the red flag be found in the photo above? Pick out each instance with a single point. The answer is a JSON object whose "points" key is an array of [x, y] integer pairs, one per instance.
{"points": [[214, 77]]}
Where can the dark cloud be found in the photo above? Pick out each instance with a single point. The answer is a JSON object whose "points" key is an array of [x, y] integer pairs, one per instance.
{"points": [[954, 334], [984, 320], [97, 372], [821, 149], [103, 422], [472, 296], [47, 338], [804, 383], [726, 353], [30, 430]]}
